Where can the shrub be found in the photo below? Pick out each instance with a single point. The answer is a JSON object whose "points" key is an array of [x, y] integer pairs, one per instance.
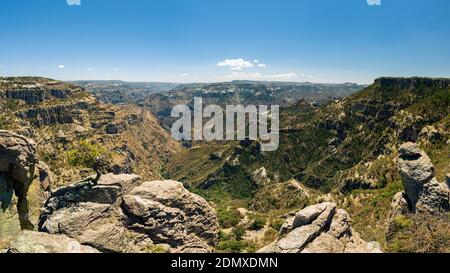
{"points": [[276, 224], [228, 217], [258, 224], [239, 233]]}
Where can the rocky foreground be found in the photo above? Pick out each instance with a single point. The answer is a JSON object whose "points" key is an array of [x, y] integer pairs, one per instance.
{"points": [[423, 194], [123, 214], [320, 228]]}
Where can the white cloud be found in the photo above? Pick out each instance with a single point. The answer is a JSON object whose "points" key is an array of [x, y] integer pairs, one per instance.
{"points": [[91, 69], [235, 64], [310, 76], [262, 65], [185, 74], [61, 66], [256, 61], [259, 77], [73, 2], [374, 2], [116, 69]]}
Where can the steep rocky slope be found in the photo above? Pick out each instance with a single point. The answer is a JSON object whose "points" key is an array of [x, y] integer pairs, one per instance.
{"points": [[66, 123], [60, 117], [345, 151], [318, 229]]}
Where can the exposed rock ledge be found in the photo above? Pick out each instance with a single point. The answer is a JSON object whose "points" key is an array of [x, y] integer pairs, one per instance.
{"points": [[423, 192], [123, 214], [320, 229], [38, 242]]}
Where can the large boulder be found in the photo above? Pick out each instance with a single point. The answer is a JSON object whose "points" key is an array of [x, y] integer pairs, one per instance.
{"points": [[319, 229], [38, 242], [168, 213], [18, 168], [422, 190], [117, 216]]}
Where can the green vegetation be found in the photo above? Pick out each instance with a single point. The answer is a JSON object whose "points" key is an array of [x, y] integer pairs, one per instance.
{"points": [[228, 217], [258, 223], [420, 234]]}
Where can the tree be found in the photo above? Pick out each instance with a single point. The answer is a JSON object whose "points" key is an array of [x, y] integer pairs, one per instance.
{"points": [[88, 155]]}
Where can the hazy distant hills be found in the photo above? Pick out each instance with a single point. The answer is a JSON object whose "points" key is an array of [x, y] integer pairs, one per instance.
{"points": [[160, 98], [243, 92], [118, 92]]}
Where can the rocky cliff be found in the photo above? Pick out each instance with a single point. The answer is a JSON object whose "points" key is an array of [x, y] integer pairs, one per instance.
{"points": [[320, 228], [423, 194], [124, 214], [61, 116]]}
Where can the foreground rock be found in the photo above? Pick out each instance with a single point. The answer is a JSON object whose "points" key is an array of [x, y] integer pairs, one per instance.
{"points": [[37, 242], [122, 214], [423, 193], [19, 166], [320, 229]]}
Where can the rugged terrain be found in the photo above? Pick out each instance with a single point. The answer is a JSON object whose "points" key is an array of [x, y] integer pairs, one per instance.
{"points": [[365, 173], [67, 124], [345, 151], [120, 92], [236, 92]]}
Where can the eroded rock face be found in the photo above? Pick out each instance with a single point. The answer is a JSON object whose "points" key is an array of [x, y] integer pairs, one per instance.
{"points": [[121, 214], [38, 242], [169, 213], [319, 229], [423, 192], [19, 166]]}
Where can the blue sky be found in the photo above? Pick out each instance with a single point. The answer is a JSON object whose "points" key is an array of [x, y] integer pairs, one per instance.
{"points": [[220, 40]]}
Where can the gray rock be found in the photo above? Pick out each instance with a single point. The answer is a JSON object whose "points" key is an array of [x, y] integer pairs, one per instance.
{"points": [[416, 170], [115, 238], [169, 213], [38, 242], [319, 229], [308, 215], [340, 224], [92, 215], [325, 243], [423, 191], [434, 198], [103, 217], [357, 245], [18, 161], [399, 205], [73, 221], [296, 240], [45, 176], [126, 181]]}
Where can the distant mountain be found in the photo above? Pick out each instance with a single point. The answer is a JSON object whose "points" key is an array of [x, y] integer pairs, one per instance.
{"points": [[119, 92], [245, 93]]}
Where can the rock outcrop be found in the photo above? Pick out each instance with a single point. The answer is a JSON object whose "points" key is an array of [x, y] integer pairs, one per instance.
{"points": [[423, 193], [38, 242], [19, 166], [122, 214], [320, 228], [168, 213]]}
